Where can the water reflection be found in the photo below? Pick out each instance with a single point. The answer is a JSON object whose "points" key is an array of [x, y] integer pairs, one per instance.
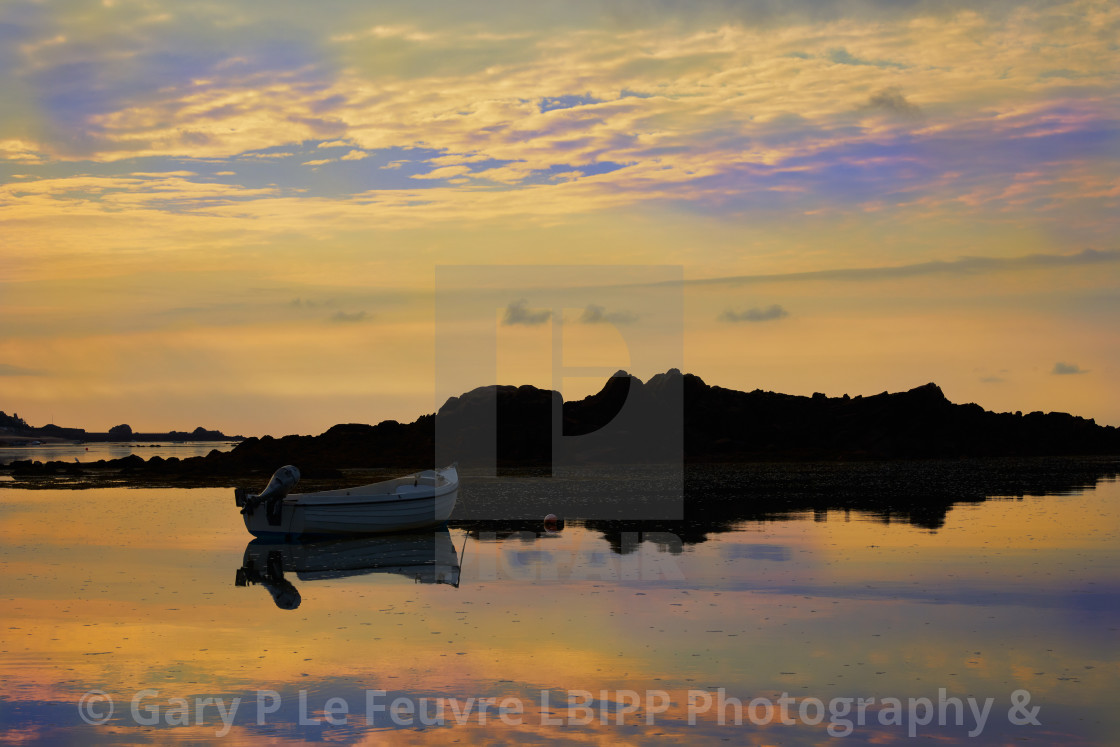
{"points": [[719, 497], [123, 591], [425, 557]]}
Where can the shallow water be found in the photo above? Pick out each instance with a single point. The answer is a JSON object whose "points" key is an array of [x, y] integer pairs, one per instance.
{"points": [[134, 593]]}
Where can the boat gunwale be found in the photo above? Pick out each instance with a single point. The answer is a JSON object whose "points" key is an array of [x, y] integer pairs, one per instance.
{"points": [[351, 496], [366, 500]]}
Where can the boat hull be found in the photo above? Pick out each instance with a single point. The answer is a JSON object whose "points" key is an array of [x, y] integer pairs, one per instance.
{"points": [[354, 512]]}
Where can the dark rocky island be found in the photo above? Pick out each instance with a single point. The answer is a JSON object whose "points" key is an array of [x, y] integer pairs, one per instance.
{"points": [[15, 431], [515, 425]]}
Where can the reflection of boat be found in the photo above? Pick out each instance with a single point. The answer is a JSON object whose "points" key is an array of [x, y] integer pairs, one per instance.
{"points": [[425, 557], [414, 501]]}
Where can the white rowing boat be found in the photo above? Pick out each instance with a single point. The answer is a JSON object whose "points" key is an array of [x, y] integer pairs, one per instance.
{"points": [[415, 501]]}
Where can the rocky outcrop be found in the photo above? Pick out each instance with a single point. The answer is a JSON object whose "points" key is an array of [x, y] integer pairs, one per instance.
{"points": [[722, 424], [671, 416]]}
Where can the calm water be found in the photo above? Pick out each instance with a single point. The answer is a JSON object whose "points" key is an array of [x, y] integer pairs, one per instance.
{"points": [[135, 593], [91, 452]]}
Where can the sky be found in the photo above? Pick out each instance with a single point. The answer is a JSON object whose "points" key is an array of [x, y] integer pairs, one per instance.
{"points": [[261, 216]]}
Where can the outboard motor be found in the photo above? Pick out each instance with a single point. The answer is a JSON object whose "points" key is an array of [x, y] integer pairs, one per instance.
{"points": [[283, 480]]}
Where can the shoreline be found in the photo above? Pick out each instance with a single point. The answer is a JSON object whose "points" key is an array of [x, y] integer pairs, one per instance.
{"points": [[711, 496], [133, 471]]}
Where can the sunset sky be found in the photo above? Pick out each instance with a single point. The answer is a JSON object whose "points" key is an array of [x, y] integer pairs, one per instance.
{"points": [[231, 214]]}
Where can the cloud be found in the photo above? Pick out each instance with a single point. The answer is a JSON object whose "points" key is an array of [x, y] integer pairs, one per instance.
{"points": [[445, 172], [519, 313], [549, 103], [595, 314], [962, 266], [19, 151], [842, 56], [276, 155], [7, 369], [717, 135], [1064, 369], [348, 317], [992, 380], [768, 314], [891, 101], [355, 155]]}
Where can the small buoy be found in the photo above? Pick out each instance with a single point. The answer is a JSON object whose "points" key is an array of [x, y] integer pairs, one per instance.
{"points": [[552, 523]]}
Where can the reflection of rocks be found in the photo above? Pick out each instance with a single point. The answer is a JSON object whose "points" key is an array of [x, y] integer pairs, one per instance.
{"points": [[719, 496], [914, 491], [919, 492]]}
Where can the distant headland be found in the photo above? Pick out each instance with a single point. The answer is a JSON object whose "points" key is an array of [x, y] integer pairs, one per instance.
{"points": [[15, 431], [716, 425]]}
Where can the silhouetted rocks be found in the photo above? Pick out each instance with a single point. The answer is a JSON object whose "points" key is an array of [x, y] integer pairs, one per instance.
{"points": [[625, 423], [723, 424], [14, 430], [13, 424], [513, 423], [121, 432], [588, 415], [57, 431]]}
